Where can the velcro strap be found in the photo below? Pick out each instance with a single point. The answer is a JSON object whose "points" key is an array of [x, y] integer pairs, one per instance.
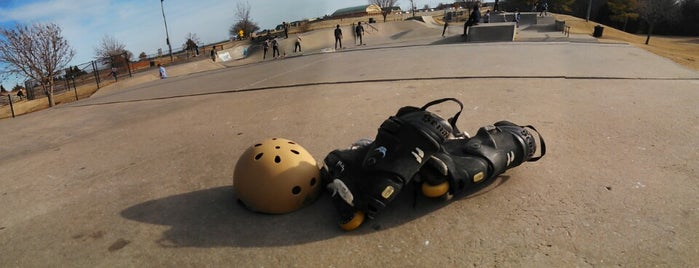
{"points": [[543, 145], [452, 120]]}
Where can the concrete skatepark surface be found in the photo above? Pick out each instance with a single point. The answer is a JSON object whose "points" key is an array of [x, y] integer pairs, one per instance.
{"points": [[141, 175]]}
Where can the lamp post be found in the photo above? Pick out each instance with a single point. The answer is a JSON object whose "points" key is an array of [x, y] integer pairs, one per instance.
{"points": [[167, 35]]}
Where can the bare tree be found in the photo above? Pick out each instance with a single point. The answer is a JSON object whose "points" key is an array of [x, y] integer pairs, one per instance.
{"points": [[37, 52], [386, 6], [657, 11], [191, 43], [112, 52], [109, 46], [245, 23], [142, 56]]}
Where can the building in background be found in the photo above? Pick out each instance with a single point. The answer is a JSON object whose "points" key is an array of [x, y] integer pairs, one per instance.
{"points": [[357, 11]]}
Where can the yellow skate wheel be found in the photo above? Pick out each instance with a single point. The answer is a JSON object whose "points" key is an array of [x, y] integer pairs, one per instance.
{"points": [[353, 223], [435, 191]]}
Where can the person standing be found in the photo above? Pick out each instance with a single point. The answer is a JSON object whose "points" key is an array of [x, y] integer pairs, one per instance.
{"points": [[286, 30], [517, 17], [161, 70], [213, 54], [486, 17], [359, 31], [298, 43], [275, 47], [114, 73], [338, 36], [265, 47]]}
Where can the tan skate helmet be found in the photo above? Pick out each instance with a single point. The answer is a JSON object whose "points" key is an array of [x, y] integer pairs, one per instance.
{"points": [[276, 176]]}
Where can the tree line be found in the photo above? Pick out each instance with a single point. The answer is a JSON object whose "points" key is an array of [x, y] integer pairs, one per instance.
{"points": [[664, 17]]}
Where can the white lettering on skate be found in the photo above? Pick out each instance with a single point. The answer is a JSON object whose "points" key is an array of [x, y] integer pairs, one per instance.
{"points": [[381, 150], [339, 187], [510, 158], [341, 166], [418, 154]]}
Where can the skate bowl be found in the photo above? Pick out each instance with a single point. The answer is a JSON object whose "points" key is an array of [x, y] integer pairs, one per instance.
{"points": [[430, 22], [375, 35], [234, 53], [492, 32]]}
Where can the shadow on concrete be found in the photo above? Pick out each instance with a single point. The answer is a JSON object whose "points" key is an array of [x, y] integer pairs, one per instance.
{"points": [[400, 34], [546, 28], [213, 218], [455, 39]]}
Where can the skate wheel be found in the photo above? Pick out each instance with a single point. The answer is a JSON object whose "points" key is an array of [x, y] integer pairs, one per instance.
{"points": [[353, 223], [434, 191]]}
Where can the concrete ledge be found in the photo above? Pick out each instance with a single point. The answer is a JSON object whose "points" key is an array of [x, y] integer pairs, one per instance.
{"points": [[492, 32], [526, 18], [545, 20]]}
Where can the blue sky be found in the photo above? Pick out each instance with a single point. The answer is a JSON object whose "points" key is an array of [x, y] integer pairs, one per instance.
{"points": [[139, 23]]}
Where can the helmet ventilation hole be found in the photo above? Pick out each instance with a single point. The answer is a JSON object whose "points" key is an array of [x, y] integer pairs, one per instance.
{"points": [[258, 156], [313, 181], [258, 145], [296, 190], [291, 142], [277, 147], [277, 159], [295, 152]]}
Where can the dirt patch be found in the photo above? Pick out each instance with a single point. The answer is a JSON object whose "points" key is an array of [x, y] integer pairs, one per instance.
{"points": [[682, 50]]}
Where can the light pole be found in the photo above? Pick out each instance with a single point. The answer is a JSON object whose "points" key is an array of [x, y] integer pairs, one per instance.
{"points": [[589, 7], [167, 35]]}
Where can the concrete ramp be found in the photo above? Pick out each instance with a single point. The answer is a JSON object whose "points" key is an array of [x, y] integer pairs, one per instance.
{"points": [[234, 53], [430, 22], [492, 32]]}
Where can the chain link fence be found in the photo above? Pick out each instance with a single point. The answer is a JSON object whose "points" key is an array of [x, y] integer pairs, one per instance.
{"points": [[81, 80]]}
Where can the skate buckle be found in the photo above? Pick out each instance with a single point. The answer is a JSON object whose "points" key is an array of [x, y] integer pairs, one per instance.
{"points": [[387, 192]]}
